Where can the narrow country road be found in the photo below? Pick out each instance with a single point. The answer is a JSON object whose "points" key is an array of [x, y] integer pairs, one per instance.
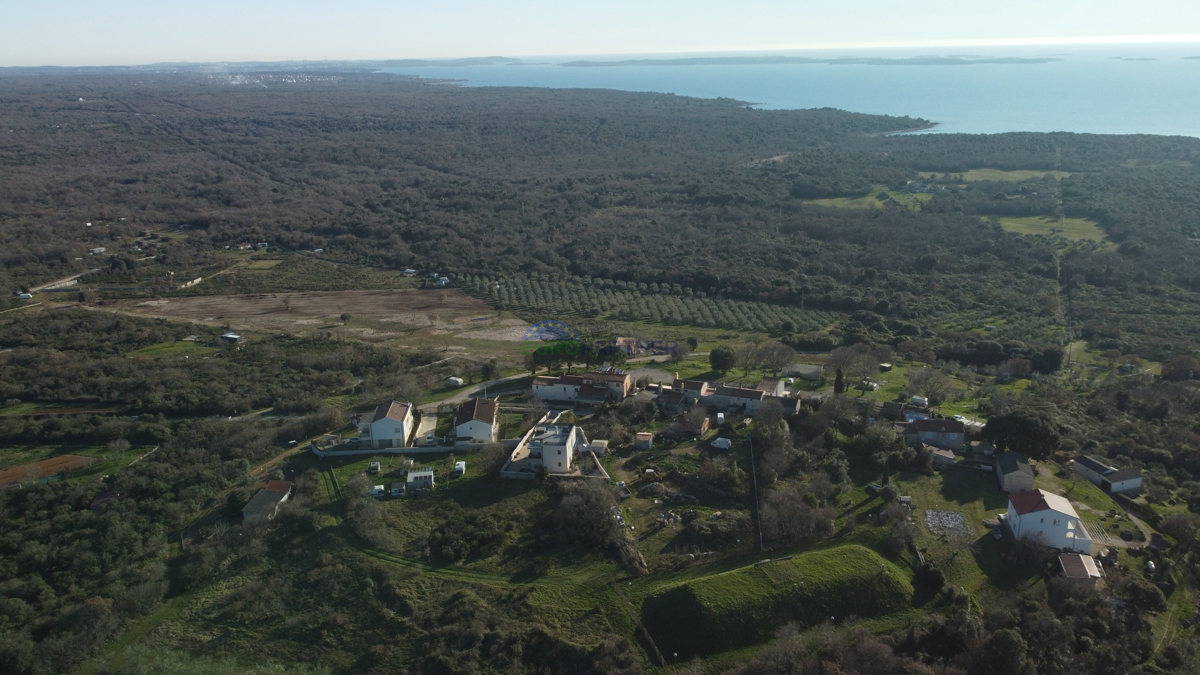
{"points": [[65, 281]]}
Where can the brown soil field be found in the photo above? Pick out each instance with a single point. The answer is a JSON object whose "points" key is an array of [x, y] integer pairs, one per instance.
{"points": [[46, 467], [406, 306]]}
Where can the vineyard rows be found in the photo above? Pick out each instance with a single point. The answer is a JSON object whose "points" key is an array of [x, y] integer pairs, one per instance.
{"points": [[626, 301]]}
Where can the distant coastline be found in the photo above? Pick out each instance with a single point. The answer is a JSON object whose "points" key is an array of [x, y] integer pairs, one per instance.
{"points": [[799, 60]]}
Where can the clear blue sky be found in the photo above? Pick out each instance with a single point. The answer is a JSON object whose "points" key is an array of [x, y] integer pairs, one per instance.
{"points": [[113, 32]]}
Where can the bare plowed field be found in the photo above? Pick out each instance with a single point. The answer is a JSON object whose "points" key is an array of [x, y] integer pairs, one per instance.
{"points": [[406, 306], [46, 467]]}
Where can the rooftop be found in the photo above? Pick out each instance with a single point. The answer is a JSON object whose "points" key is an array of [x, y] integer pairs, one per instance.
{"points": [[739, 392], [266, 501], [477, 409], [1079, 566], [1013, 462], [1123, 474], [1032, 501], [938, 426], [550, 434], [1094, 464], [394, 411]]}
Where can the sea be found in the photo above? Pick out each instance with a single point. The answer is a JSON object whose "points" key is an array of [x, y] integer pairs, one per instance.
{"points": [[1115, 89]]}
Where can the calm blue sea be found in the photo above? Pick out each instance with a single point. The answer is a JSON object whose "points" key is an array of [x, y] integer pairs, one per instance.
{"points": [[1111, 90]]}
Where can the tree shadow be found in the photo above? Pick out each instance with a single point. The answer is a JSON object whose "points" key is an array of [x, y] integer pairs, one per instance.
{"points": [[964, 486], [1005, 574]]}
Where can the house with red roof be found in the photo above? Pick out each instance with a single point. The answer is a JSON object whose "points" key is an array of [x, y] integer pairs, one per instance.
{"points": [[1048, 519]]}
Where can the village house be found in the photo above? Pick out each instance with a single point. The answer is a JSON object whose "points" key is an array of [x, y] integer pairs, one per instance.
{"points": [[1048, 519], [389, 428], [772, 386], [673, 401], [948, 434], [1108, 478], [941, 456], [476, 421], [693, 390], [549, 447], [595, 386], [265, 505], [735, 399], [1014, 472]]}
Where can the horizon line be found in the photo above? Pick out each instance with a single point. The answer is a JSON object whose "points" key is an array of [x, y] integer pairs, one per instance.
{"points": [[1092, 40]]}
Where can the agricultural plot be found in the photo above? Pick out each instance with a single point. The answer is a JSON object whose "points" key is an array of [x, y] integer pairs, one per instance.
{"points": [[406, 309], [1072, 229], [45, 468], [978, 175], [27, 463], [296, 273], [875, 200], [669, 304]]}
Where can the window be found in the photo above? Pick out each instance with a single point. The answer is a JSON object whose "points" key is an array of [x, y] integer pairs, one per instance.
{"points": [[560, 465], [399, 430], [1041, 520], [1056, 521]]}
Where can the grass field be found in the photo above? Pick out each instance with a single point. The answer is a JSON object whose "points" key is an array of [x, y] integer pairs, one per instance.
{"points": [[746, 605], [1073, 229], [876, 200], [976, 175]]}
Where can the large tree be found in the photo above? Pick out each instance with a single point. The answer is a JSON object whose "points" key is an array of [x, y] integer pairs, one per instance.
{"points": [[722, 359], [1029, 433]]}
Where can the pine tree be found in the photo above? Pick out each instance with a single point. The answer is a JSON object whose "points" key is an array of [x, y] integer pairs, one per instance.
{"points": [[839, 383]]}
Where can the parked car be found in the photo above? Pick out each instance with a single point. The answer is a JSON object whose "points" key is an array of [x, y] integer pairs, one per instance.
{"points": [[374, 467]]}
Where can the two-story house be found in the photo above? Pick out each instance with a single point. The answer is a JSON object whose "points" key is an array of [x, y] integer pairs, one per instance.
{"points": [[1048, 519], [389, 428]]}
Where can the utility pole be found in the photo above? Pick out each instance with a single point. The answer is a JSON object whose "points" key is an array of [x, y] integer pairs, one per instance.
{"points": [[757, 506]]}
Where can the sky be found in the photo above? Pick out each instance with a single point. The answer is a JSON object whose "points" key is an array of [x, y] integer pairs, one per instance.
{"points": [[129, 32]]}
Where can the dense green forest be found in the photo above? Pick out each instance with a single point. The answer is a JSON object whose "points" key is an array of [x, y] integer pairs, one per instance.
{"points": [[990, 261]]}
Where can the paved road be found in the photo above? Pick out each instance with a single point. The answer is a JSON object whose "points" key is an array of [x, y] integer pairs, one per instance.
{"points": [[465, 394]]}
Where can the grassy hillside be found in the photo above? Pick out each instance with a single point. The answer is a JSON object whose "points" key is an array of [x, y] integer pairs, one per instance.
{"points": [[747, 605]]}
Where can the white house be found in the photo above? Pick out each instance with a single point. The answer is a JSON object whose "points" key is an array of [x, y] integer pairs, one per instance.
{"points": [[737, 399], [1047, 518], [596, 386], [476, 421], [390, 428], [555, 445]]}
